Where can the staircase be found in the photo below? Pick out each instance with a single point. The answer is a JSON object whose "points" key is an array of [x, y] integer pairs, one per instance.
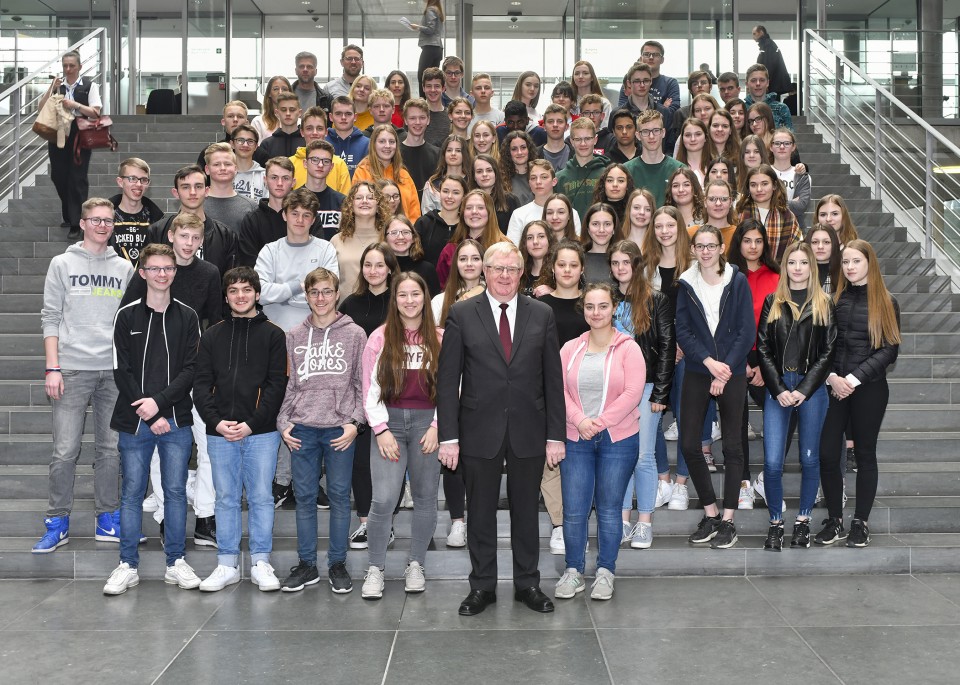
{"points": [[915, 523]]}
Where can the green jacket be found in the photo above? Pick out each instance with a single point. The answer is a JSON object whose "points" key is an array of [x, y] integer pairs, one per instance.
{"points": [[577, 182]]}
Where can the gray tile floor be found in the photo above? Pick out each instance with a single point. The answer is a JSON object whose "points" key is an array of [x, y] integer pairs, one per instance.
{"points": [[805, 630]]}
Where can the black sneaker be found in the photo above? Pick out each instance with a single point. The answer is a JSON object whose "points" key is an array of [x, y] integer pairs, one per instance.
{"points": [[339, 578], [859, 534], [281, 493], [301, 575], [162, 546], [851, 465], [801, 534], [706, 530], [832, 531], [774, 541], [358, 538], [323, 502], [205, 534], [726, 536]]}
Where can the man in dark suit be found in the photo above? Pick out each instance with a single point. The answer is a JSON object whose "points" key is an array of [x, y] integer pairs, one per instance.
{"points": [[500, 398]]}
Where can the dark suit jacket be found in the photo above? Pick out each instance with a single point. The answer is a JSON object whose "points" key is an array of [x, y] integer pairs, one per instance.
{"points": [[481, 398]]}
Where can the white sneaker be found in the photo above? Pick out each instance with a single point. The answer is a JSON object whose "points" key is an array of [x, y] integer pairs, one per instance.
{"points": [[715, 431], [664, 492], [844, 502], [413, 580], [625, 532], [571, 584], [191, 487], [182, 575], [372, 584], [556, 541], [150, 503], [221, 577], [761, 493], [751, 433], [641, 537], [746, 495], [602, 587], [819, 497], [358, 538], [407, 501], [672, 433], [264, 577], [680, 498], [458, 534], [120, 579]]}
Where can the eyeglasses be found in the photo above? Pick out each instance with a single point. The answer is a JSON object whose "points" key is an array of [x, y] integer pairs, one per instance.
{"points": [[453, 73], [649, 132], [583, 141], [505, 270], [400, 233], [154, 270], [718, 200], [642, 82], [392, 197], [710, 247], [650, 55], [596, 113], [782, 143], [142, 180], [96, 221], [753, 120], [320, 161], [353, 60], [326, 293], [244, 141]]}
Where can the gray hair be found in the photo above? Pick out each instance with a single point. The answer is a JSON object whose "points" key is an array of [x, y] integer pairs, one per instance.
{"points": [[500, 249], [305, 55]]}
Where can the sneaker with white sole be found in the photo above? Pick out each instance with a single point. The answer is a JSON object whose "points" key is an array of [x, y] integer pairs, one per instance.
{"points": [[122, 578], [746, 495], [758, 491], [626, 530], [458, 534], [664, 491], [602, 587], [358, 538], [680, 498], [672, 433], [715, 433], [751, 433], [372, 587], [264, 577], [182, 575], [819, 498], [407, 501], [556, 541], [150, 503], [570, 585], [641, 537], [711, 464], [413, 578], [221, 577]]}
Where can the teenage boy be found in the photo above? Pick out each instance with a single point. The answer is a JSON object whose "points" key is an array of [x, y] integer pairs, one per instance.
{"points": [[665, 90], [155, 341], [265, 224], [652, 168], [219, 245], [697, 82], [482, 90], [308, 91], [591, 106], [758, 82], [515, 118], [320, 418], [283, 263], [381, 109], [133, 211], [728, 83], [419, 156], [351, 59], [453, 70], [432, 85], [286, 139], [542, 179], [223, 204], [639, 81], [319, 162], [239, 412], [347, 140], [578, 179], [624, 129], [555, 150], [313, 126], [249, 181], [80, 296], [234, 114]]}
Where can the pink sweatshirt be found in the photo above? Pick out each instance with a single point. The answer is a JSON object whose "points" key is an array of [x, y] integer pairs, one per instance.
{"points": [[624, 376]]}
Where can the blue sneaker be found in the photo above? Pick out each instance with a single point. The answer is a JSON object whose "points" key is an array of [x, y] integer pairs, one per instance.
{"points": [[108, 527], [58, 533]]}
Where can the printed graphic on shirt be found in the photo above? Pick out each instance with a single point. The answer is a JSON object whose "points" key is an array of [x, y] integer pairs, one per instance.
{"points": [[97, 285], [329, 220], [130, 233], [414, 357], [247, 186], [322, 359]]}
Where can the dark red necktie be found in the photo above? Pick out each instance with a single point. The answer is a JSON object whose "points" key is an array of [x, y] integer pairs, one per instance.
{"points": [[505, 332]]}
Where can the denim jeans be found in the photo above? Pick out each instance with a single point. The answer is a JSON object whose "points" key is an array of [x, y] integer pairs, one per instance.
{"points": [[79, 389], [315, 453], [408, 427], [246, 464], [136, 449], [776, 423], [595, 471], [205, 495], [644, 478]]}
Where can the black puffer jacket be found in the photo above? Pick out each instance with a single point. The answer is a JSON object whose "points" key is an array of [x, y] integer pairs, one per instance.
{"points": [[815, 343], [855, 354], [435, 233], [658, 344]]}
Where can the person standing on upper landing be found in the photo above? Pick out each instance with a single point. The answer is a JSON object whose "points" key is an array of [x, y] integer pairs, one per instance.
{"points": [[772, 59], [431, 29]]}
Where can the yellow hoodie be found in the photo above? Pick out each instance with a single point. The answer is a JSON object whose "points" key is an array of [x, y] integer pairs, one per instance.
{"points": [[338, 178]]}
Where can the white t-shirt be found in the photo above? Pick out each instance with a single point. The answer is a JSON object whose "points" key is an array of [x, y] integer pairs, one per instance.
{"points": [[524, 215], [789, 180]]}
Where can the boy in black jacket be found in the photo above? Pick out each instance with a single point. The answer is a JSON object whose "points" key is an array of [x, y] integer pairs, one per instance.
{"points": [[238, 389]]}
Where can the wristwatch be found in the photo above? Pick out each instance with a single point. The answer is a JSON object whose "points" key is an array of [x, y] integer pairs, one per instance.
{"points": [[361, 427]]}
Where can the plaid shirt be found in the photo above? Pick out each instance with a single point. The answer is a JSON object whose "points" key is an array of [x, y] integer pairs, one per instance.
{"points": [[782, 228]]}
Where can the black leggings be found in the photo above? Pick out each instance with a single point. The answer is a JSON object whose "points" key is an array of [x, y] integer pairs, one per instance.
{"points": [[694, 397], [758, 393], [430, 56], [864, 409], [362, 486]]}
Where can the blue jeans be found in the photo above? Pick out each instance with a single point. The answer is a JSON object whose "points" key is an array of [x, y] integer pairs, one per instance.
{"points": [[315, 453], [246, 464], [595, 471], [776, 422], [644, 478], [136, 450]]}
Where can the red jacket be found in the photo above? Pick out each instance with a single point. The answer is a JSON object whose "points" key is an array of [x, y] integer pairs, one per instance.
{"points": [[762, 282]]}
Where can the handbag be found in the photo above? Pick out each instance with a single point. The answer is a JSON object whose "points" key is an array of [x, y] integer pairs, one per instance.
{"points": [[45, 125], [93, 134]]}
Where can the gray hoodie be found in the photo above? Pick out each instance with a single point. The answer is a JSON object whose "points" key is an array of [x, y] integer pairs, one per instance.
{"points": [[80, 299]]}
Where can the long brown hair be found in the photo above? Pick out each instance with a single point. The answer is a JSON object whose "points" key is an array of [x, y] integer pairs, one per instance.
{"points": [[392, 365], [437, 6], [466, 163], [626, 226], [491, 232], [699, 210], [389, 258], [833, 266], [639, 291], [377, 167], [706, 153], [570, 232], [507, 168], [731, 150], [778, 202], [456, 286], [348, 219], [816, 299], [881, 316], [741, 165], [498, 191], [528, 259], [847, 230], [594, 81], [653, 250], [269, 116]]}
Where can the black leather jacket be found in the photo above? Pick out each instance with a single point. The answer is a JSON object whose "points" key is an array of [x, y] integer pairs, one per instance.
{"points": [[855, 353], [659, 346], [816, 344]]}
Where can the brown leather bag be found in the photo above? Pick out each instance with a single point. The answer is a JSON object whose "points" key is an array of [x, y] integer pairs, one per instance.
{"points": [[93, 134]]}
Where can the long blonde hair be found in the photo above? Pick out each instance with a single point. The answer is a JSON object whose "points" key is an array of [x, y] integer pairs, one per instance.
{"points": [[377, 167], [816, 299], [653, 250], [881, 316]]}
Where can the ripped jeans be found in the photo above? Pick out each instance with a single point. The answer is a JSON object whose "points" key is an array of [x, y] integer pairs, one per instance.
{"points": [[776, 422]]}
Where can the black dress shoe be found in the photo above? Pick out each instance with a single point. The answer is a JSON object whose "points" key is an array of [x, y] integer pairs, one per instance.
{"points": [[534, 599], [476, 602]]}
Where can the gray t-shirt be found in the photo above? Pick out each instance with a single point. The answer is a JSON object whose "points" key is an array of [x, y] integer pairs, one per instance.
{"points": [[438, 128], [557, 160], [229, 210], [590, 383]]}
